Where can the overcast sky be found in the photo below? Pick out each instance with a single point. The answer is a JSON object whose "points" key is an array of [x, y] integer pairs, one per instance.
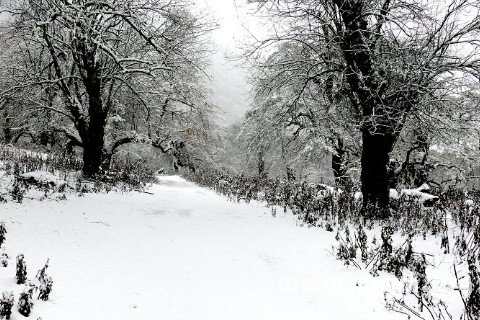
{"points": [[228, 79]]}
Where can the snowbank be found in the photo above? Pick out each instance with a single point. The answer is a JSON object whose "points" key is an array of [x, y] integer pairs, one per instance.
{"points": [[419, 195], [43, 178]]}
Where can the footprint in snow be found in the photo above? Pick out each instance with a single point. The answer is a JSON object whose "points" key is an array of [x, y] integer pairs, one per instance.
{"points": [[164, 212], [268, 258]]}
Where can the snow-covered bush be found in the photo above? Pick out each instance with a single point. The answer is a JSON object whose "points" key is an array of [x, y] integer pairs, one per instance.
{"points": [[17, 193], [393, 260], [362, 243], [347, 247], [135, 163], [4, 259], [43, 179], [21, 269], [25, 301], [386, 248], [3, 232], [423, 286], [45, 288], [6, 304], [45, 283]]}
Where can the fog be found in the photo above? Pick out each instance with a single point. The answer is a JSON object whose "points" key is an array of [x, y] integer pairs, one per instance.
{"points": [[228, 77]]}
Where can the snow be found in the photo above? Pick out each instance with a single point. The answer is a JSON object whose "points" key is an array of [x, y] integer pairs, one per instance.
{"points": [[424, 187], [419, 194], [358, 195], [325, 190], [393, 194], [43, 177], [183, 253]]}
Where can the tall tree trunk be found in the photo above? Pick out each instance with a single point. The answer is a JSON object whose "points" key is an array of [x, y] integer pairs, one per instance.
{"points": [[339, 167], [374, 176], [93, 142], [367, 86], [261, 162], [93, 150], [7, 131], [290, 174]]}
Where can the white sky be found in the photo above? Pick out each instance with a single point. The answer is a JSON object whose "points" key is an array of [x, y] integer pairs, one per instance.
{"points": [[230, 90]]}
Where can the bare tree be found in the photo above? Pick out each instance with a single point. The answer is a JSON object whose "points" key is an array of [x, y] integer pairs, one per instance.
{"points": [[306, 115], [395, 59], [95, 54]]}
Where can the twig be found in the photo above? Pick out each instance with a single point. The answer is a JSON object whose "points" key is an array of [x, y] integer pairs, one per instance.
{"points": [[461, 293], [100, 222], [402, 304], [143, 191]]}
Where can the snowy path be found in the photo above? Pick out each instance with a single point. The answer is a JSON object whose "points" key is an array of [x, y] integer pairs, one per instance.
{"points": [[182, 253]]}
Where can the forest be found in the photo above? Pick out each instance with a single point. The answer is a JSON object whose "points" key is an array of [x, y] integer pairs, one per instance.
{"points": [[357, 159]]}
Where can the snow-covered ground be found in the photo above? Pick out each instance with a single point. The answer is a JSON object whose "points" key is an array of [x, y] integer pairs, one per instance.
{"points": [[183, 253]]}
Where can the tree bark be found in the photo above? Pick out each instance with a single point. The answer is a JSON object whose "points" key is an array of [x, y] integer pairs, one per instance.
{"points": [[339, 167], [93, 150], [261, 162], [374, 176], [7, 131], [93, 142], [367, 85]]}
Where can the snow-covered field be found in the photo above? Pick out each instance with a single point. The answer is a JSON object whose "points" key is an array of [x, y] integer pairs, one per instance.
{"points": [[183, 253]]}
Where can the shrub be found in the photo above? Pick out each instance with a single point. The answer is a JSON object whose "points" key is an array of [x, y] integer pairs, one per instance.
{"points": [[3, 231], [6, 304], [4, 259], [17, 192], [25, 302], [21, 269], [46, 283]]}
